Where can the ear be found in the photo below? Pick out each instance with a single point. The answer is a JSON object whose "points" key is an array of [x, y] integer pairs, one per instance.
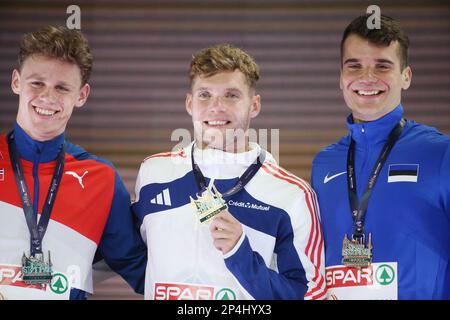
{"points": [[406, 77], [255, 107], [341, 85], [15, 81], [83, 95], [188, 103]]}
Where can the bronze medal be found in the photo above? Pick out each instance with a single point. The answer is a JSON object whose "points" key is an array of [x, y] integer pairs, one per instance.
{"points": [[355, 254]]}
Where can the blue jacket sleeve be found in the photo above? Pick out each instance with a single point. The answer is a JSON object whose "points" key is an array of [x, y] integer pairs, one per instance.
{"points": [[77, 294], [285, 278], [121, 244], [297, 267], [445, 181], [261, 282]]}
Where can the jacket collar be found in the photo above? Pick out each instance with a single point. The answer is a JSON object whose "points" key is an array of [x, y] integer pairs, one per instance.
{"points": [[376, 131], [37, 151]]}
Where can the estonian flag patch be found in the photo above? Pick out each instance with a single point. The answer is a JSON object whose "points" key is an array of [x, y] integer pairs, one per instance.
{"points": [[403, 173]]}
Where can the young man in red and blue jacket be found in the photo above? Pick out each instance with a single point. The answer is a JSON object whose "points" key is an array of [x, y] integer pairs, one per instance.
{"points": [[59, 205]]}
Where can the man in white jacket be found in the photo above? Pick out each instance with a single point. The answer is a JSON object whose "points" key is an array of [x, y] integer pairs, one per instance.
{"points": [[220, 218]]}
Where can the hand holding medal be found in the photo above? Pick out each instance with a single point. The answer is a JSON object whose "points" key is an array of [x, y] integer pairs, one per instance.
{"points": [[208, 204], [226, 231]]}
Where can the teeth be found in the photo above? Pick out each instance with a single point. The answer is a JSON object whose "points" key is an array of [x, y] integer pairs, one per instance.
{"points": [[44, 112], [368, 93], [217, 123]]}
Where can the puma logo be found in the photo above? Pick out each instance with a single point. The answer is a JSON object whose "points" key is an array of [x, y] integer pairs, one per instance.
{"points": [[75, 175]]}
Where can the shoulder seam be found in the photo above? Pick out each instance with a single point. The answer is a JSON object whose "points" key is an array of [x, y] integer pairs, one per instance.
{"points": [[179, 153], [275, 169], [92, 157]]}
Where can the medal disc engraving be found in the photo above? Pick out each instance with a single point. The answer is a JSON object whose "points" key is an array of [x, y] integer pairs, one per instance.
{"points": [[355, 254], [35, 270], [208, 204]]}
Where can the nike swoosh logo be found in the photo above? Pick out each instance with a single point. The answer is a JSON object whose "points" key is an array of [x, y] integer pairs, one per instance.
{"points": [[327, 179]]}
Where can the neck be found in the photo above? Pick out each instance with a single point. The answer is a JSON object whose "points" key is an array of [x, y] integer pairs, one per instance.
{"points": [[33, 135], [232, 148], [355, 120], [361, 118], [218, 163]]}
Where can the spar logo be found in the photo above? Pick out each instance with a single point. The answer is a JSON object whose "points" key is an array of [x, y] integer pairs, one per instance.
{"points": [[59, 284], [378, 274], [225, 294], [349, 277], [179, 291], [385, 274]]}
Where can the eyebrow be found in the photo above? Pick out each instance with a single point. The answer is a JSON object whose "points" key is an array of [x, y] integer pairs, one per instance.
{"points": [[35, 76], [201, 88], [38, 77], [354, 60], [226, 89], [351, 61], [385, 61]]}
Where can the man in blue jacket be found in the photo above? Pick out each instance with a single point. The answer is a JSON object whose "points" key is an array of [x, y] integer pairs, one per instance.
{"points": [[384, 189]]}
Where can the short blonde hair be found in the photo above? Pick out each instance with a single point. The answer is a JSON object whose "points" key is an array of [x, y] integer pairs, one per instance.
{"points": [[224, 57]]}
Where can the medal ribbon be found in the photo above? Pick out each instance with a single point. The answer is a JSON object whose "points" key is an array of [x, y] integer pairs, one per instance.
{"points": [[37, 231], [359, 208], [242, 181]]}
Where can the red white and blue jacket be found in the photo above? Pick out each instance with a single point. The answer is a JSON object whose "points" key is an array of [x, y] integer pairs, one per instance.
{"points": [[279, 255], [91, 214]]}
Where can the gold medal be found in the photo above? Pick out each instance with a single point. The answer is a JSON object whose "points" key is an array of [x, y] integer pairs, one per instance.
{"points": [[355, 254], [208, 204]]}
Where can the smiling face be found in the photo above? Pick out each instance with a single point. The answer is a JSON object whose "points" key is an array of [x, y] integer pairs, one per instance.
{"points": [[371, 78], [48, 90], [221, 107]]}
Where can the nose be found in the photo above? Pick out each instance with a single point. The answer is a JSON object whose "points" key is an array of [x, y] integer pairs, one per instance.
{"points": [[217, 105], [368, 76], [48, 95]]}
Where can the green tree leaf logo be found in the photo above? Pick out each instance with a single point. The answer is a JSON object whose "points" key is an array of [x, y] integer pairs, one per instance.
{"points": [[385, 274], [59, 283], [225, 294]]}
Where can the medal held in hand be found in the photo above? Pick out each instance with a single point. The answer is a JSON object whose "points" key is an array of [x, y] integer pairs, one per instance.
{"points": [[208, 204], [35, 270], [355, 254]]}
